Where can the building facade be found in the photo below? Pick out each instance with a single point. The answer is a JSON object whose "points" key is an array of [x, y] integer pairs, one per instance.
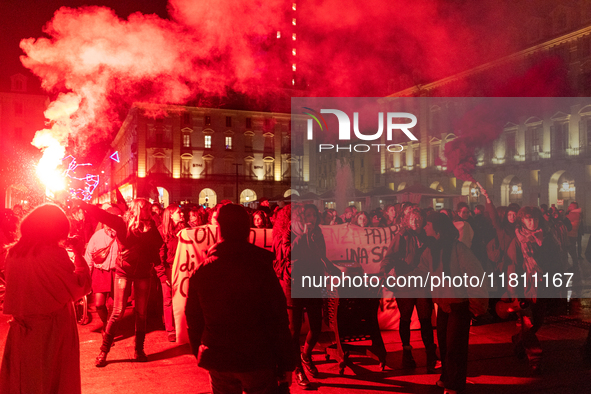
{"points": [[541, 157], [21, 115], [200, 155]]}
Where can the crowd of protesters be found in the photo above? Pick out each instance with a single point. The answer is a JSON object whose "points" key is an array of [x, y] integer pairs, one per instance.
{"points": [[124, 247]]}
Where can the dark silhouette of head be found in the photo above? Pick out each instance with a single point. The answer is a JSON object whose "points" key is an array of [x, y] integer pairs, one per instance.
{"points": [[234, 223], [443, 225], [45, 225]]}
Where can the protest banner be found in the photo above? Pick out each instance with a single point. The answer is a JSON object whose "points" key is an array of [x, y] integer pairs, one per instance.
{"points": [[344, 243], [366, 246], [190, 255]]}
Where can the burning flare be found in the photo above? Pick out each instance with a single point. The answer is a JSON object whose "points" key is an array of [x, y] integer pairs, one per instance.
{"points": [[53, 141]]}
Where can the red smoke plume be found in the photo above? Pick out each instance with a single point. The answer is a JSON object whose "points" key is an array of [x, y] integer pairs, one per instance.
{"points": [[343, 48], [107, 62], [477, 128], [480, 126]]}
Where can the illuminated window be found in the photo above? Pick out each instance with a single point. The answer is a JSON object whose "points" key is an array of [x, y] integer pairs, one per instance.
{"points": [[293, 22], [293, 7], [561, 137], [293, 67], [434, 154], [228, 142], [278, 34], [293, 52], [269, 149], [293, 81], [293, 36], [208, 141], [187, 140], [536, 140]]}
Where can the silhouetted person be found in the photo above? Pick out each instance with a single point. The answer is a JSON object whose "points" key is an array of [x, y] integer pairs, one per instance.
{"points": [[403, 255], [237, 314], [42, 352], [457, 305]]}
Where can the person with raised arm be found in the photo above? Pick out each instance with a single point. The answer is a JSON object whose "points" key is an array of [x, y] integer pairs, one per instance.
{"points": [[139, 245]]}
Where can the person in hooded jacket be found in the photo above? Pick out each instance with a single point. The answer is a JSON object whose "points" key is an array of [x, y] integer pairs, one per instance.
{"points": [[236, 313]]}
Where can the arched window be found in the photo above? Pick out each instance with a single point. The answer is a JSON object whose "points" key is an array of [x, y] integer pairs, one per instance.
{"points": [[247, 196], [208, 198]]}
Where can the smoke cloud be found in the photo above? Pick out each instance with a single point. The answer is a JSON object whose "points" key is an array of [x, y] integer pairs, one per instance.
{"points": [[107, 62], [206, 47]]}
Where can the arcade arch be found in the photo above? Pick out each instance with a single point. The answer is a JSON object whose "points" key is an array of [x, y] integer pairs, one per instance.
{"points": [[247, 196], [208, 198]]}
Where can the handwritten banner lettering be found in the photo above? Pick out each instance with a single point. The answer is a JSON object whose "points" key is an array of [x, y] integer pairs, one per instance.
{"points": [[366, 246]]}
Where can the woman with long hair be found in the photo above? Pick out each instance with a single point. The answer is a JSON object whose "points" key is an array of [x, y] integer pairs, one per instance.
{"points": [[172, 223], [300, 249], [42, 352], [101, 256], [139, 246], [534, 251], [403, 255], [457, 305], [259, 219], [360, 219]]}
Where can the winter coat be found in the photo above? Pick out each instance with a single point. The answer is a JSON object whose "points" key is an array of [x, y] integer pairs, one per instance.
{"points": [[308, 253], [138, 251], [496, 249], [404, 254], [167, 251], [466, 232], [462, 262], [236, 311], [42, 351], [545, 258], [575, 216]]}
